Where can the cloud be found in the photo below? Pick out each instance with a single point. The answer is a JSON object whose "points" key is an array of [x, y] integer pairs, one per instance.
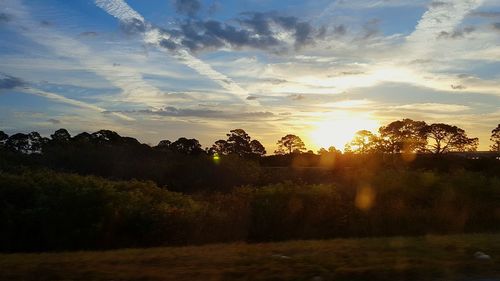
{"points": [[171, 111], [264, 31], [458, 33], [187, 7], [458, 87], [496, 26], [340, 30], [89, 34], [73, 102], [297, 97], [4, 18], [163, 39], [8, 82], [435, 4], [485, 14], [433, 107], [54, 121]]}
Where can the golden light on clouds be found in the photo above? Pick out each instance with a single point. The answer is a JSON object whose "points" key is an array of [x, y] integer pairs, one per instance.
{"points": [[339, 127]]}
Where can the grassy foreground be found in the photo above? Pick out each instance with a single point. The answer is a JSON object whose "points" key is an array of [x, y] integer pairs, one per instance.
{"points": [[413, 258]]}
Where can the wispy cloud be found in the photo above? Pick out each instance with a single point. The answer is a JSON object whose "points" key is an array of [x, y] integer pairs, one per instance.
{"points": [[204, 113], [134, 88], [73, 102], [434, 107], [154, 36]]}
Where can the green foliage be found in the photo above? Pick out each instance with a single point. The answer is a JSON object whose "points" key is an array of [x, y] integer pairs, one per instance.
{"points": [[45, 210]]}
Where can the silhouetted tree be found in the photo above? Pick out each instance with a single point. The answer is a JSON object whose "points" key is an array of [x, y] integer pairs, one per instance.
{"points": [[331, 149], [240, 143], [26, 143], [446, 138], [257, 148], [186, 146], [82, 138], [3, 138], [290, 143], [403, 136], [220, 147], [163, 145], [105, 137], [61, 136], [495, 138], [363, 142]]}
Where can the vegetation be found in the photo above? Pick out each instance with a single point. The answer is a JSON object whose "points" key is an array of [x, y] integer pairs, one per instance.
{"points": [[495, 138], [289, 144], [419, 258], [44, 210], [101, 190]]}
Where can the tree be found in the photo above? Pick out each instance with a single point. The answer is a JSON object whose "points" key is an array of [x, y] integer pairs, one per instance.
{"points": [[331, 149], [403, 136], [446, 138], [163, 145], [26, 143], [220, 147], [3, 138], [240, 143], [105, 137], [495, 138], [257, 148], [363, 142], [290, 143], [61, 136], [186, 146]]}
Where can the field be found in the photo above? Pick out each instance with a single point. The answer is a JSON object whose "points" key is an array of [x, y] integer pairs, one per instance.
{"points": [[409, 258]]}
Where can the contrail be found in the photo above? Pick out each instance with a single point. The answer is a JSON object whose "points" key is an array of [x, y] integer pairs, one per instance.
{"points": [[123, 12], [130, 81], [73, 102]]}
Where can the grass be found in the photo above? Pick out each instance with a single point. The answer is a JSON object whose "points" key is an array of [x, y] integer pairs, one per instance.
{"points": [[399, 258]]}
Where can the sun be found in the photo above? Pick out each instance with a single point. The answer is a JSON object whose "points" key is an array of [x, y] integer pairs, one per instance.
{"points": [[339, 129]]}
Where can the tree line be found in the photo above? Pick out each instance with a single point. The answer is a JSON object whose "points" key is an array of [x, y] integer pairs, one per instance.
{"points": [[402, 136]]}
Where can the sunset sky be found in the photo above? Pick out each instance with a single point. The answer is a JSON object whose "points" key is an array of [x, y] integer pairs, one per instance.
{"points": [[322, 69]]}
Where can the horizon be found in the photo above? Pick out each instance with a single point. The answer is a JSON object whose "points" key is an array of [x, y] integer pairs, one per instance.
{"points": [[321, 70]]}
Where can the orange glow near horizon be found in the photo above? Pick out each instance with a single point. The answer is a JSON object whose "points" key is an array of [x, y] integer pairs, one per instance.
{"points": [[339, 129]]}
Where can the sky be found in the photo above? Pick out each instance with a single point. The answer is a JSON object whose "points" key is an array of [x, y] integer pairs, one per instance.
{"points": [[322, 69]]}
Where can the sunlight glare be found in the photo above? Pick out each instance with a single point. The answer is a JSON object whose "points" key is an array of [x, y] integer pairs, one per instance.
{"points": [[339, 129]]}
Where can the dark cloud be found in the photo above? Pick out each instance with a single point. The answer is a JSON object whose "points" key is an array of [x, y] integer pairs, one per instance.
{"points": [[8, 82], [187, 7], [458, 33], [297, 97], [340, 30], [435, 4], [250, 29], [252, 98], [458, 87], [421, 61], [496, 26], [89, 34], [485, 14], [275, 81], [171, 111], [371, 28], [133, 26], [465, 76], [45, 23], [4, 18], [54, 121]]}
